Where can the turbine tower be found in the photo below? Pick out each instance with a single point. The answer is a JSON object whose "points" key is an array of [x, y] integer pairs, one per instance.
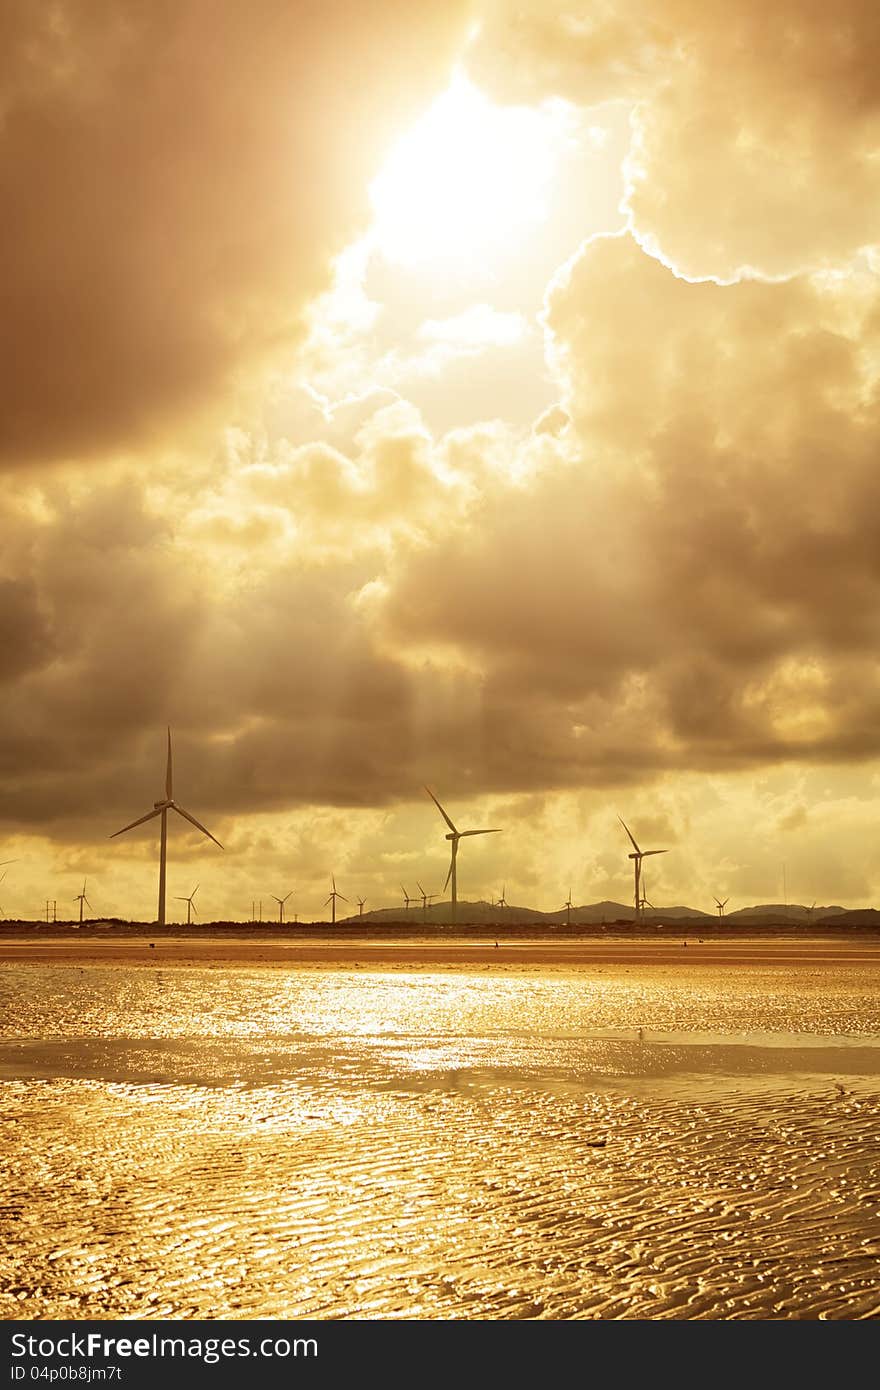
{"points": [[81, 898], [332, 898], [721, 905], [455, 835], [161, 809], [426, 898], [637, 858], [281, 902]]}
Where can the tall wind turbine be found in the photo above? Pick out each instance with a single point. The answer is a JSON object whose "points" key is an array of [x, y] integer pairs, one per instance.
{"points": [[455, 835], [81, 898], [406, 898], [502, 901], [190, 905], [281, 902], [360, 903], [332, 898], [721, 905], [568, 906], [637, 858], [161, 809], [426, 898]]}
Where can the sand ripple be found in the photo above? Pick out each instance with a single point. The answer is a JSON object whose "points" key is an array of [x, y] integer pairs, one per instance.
{"points": [[421, 1174]]}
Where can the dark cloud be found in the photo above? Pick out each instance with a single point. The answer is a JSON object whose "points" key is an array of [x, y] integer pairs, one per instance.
{"points": [[176, 177]]}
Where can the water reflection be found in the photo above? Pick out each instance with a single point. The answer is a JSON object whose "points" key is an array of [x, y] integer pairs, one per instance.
{"points": [[246, 1143]]}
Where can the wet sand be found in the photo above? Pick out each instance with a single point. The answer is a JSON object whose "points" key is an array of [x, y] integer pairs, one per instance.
{"points": [[414, 952], [658, 1132]]}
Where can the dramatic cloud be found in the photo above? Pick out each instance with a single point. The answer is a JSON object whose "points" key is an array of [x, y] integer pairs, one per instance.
{"points": [[756, 126], [177, 177], [618, 552], [695, 581]]}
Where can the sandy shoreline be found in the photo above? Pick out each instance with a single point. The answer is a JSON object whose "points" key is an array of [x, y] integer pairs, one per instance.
{"points": [[415, 953]]}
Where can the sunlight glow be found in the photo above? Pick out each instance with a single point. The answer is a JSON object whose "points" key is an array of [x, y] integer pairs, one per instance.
{"points": [[468, 179]]}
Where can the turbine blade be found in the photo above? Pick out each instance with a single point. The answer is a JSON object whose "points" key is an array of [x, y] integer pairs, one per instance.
{"points": [[340, 895], [630, 834], [646, 852], [462, 833], [139, 821], [168, 768], [186, 816], [440, 809]]}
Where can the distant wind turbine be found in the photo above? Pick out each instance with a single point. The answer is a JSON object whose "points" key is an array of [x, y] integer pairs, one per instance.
{"points": [[721, 905], [637, 858], [568, 906], [406, 898], [332, 898], [645, 902], [2, 876], [81, 898], [281, 902], [161, 809], [360, 903], [502, 901], [455, 835], [190, 905], [426, 898]]}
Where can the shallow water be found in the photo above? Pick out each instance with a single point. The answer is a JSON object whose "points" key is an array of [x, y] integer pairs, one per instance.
{"points": [[643, 1143]]}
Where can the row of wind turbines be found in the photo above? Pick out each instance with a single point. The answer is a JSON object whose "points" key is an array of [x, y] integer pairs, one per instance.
{"points": [[454, 836]]}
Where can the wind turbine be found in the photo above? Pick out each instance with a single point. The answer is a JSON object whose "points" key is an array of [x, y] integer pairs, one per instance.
{"points": [[2, 876], [721, 905], [190, 905], [455, 835], [502, 901], [406, 898], [161, 809], [81, 898], [426, 898], [360, 903], [637, 858], [645, 901], [281, 902], [568, 906], [332, 898]]}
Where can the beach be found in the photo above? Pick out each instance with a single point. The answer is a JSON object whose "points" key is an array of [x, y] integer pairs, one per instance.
{"points": [[334, 949], [616, 1129]]}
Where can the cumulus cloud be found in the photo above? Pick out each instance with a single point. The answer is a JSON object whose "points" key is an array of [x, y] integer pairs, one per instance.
{"points": [[181, 175], [693, 582], [755, 127]]}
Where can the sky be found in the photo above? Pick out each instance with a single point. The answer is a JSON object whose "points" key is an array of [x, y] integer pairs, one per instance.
{"points": [[475, 395]]}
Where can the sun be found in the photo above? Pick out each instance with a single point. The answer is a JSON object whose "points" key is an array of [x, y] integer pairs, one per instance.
{"points": [[468, 180]]}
